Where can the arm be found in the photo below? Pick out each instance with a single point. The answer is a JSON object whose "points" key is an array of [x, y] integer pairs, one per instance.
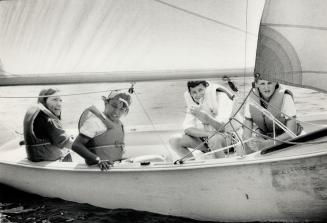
{"points": [[51, 129], [196, 132], [288, 108], [80, 148], [91, 158], [218, 118], [248, 124]]}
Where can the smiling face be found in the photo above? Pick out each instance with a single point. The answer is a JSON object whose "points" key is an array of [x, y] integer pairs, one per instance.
{"points": [[54, 104], [198, 92], [114, 109], [266, 88]]}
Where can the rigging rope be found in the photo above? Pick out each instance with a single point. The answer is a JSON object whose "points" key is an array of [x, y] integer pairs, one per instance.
{"points": [[64, 95], [152, 124]]}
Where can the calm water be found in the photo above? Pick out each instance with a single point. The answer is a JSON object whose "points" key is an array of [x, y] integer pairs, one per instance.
{"points": [[164, 105], [17, 206]]}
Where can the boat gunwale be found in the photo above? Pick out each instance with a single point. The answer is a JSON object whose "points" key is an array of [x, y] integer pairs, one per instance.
{"points": [[156, 166]]}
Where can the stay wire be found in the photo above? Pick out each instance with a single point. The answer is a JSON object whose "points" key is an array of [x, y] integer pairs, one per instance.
{"points": [[149, 118], [65, 95], [180, 161]]}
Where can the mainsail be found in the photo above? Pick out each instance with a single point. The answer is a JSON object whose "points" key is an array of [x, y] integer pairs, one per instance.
{"points": [[292, 46], [67, 41]]}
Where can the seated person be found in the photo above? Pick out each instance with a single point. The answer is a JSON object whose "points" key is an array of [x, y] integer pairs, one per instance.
{"points": [[209, 108], [279, 102], [101, 134], [44, 136]]}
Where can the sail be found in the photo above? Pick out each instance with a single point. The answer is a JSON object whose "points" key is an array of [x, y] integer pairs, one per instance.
{"points": [[292, 46], [66, 41]]}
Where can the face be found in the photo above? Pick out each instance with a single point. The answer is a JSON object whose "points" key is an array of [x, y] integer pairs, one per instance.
{"points": [[114, 109], [266, 88], [54, 104], [198, 92]]}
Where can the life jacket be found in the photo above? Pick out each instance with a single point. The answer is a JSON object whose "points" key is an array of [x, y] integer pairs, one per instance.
{"points": [[108, 145], [39, 149], [264, 123], [210, 104]]}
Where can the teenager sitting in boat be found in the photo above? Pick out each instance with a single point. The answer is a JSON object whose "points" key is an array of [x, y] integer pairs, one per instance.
{"points": [[209, 108], [269, 96], [44, 136], [101, 134]]}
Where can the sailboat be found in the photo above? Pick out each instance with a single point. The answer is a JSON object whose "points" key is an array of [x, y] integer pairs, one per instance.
{"points": [[59, 42]]}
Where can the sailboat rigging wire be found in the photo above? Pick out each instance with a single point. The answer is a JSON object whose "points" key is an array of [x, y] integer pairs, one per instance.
{"points": [[281, 141], [180, 161], [245, 42], [149, 118], [240, 140], [64, 95]]}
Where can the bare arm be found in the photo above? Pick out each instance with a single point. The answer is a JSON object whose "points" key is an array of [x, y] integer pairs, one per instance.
{"points": [[291, 125], [80, 148], [207, 119], [192, 131], [248, 125]]}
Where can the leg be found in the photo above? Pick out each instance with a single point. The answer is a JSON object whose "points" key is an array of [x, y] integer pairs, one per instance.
{"points": [[180, 145], [218, 141]]}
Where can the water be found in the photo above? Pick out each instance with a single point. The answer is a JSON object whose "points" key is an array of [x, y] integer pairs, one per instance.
{"points": [[17, 206], [164, 106]]}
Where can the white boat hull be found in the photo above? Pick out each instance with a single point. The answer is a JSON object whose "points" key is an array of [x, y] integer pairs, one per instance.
{"points": [[272, 187]]}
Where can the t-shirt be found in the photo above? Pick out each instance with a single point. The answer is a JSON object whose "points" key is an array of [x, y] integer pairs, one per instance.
{"points": [[48, 128], [92, 126], [288, 107]]}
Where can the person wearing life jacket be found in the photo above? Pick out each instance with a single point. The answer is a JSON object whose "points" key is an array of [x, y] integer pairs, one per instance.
{"points": [[101, 134], [209, 108], [44, 136], [280, 103]]}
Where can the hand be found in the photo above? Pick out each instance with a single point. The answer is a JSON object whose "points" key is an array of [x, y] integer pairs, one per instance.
{"points": [[105, 165], [255, 144], [267, 143], [200, 114]]}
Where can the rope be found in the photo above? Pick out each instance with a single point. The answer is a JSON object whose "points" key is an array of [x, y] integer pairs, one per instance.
{"points": [[64, 95], [152, 124]]}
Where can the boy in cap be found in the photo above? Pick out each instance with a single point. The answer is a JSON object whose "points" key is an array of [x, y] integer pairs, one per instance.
{"points": [[101, 134]]}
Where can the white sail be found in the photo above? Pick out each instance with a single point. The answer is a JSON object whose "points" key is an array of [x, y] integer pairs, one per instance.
{"points": [[64, 41], [292, 46]]}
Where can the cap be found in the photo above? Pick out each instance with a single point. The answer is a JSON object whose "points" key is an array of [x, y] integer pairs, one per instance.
{"points": [[121, 96]]}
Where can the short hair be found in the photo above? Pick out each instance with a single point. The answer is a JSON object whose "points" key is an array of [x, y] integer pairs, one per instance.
{"points": [[258, 76], [192, 84], [46, 92]]}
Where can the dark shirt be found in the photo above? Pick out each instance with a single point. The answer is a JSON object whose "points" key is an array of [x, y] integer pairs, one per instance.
{"points": [[51, 129]]}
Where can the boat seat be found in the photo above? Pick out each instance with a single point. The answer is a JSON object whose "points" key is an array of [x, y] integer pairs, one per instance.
{"points": [[148, 158]]}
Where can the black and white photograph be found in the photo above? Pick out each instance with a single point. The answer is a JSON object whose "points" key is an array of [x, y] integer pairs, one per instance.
{"points": [[163, 111]]}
